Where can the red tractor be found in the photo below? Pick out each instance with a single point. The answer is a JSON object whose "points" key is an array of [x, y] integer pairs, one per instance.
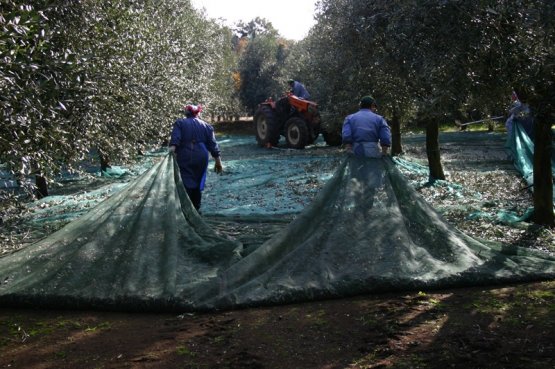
{"points": [[296, 119]]}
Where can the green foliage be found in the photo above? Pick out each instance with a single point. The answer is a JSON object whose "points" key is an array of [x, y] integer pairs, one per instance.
{"points": [[106, 75], [262, 57], [101, 326], [260, 68], [41, 79], [111, 75], [185, 351], [222, 95], [256, 27], [430, 60], [434, 61]]}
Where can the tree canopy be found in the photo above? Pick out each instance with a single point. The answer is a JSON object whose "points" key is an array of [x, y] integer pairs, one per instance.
{"points": [[106, 75], [111, 75]]}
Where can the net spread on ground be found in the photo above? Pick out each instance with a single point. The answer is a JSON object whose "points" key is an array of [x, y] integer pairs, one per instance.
{"points": [[366, 230]]}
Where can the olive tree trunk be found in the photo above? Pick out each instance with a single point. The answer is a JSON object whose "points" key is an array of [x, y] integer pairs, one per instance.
{"points": [[543, 175], [396, 144], [42, 186], [432, 150], [104, 161]]}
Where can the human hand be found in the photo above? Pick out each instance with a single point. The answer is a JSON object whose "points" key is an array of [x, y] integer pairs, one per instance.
{"points": [[218, 168], [171, 149]]}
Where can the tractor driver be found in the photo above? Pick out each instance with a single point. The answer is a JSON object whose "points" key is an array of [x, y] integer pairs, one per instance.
{"points": [[298, 89]]}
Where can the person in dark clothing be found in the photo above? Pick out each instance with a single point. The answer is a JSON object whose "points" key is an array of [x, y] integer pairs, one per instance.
{"points": [[520, 113], [298, 89], [192, 141]]}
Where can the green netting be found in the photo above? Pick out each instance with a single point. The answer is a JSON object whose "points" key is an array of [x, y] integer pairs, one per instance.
{"points": [[268, 186], [115, 172], [521, 151], [454, 188], [364, 235], [521, 148], [69, 207], [504, 216], [146, 249], [138, 250]]}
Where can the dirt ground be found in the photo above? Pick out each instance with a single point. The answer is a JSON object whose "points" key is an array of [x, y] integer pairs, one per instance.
{"points": [[491, 327], [481, 327]]}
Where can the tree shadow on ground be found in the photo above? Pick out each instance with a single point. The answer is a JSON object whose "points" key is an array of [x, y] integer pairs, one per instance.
{"points": [[478, 327]]}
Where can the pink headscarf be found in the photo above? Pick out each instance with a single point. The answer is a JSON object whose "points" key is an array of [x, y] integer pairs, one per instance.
{"points": [[193, 109]]}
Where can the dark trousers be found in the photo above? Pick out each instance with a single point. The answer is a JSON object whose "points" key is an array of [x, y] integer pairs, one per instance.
{"points": [[195, 196]]}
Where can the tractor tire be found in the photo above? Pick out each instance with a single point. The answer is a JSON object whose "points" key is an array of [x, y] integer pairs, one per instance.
{"points": [[297, 133], [266, 126]]}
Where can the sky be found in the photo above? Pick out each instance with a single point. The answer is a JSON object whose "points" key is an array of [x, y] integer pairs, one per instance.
{"points": [[292, 18]]}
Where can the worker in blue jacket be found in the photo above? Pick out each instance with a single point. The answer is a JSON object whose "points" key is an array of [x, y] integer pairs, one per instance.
{"points": [[298, 89], [366, 133], [192, 140]]}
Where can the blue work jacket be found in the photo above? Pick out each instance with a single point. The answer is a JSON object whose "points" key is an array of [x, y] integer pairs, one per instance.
{"points": [[300, 91], [194, 140], [365, 126]]}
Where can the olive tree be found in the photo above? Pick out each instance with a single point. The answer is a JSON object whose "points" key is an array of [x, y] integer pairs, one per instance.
{"points": [[429, 61], [261, 67], [525, 32], [44, 93], [110, 76]]}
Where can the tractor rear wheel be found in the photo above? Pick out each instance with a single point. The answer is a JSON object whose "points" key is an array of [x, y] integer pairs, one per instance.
{"points": [[297, 133], [266, 126]]}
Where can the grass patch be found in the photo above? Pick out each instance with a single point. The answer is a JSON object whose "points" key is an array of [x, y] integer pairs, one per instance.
{"points": [[185, 351], [318, 318], [100, 327]]}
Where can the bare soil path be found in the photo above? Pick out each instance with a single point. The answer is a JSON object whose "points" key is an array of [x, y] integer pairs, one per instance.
{"points": [[493, 327]]}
